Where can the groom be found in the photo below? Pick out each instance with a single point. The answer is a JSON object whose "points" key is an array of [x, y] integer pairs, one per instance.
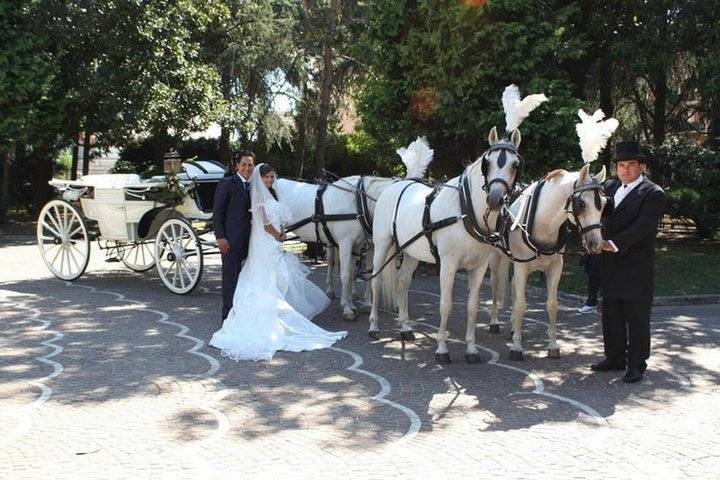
{"points": [[231, 222]]}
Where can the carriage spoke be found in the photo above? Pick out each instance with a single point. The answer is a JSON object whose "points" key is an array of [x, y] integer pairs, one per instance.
{"points": [[80, 252], [182, 276], [55, 219], [57, 234], [72, 256], [59, 224], [174, 280], [78, 229], [56, 254]]}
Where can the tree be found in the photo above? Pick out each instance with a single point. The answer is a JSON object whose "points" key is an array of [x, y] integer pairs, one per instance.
{"points": [[439, 70]]}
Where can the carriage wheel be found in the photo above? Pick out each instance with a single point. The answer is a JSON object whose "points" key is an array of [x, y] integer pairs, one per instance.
{"points": [[63, 240], [178, 256], [139, 257]]}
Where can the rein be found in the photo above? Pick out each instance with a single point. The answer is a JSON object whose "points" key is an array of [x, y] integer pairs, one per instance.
{"points": [[527, 222]]}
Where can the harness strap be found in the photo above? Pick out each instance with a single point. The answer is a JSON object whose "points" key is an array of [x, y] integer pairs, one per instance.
{"points": [[395, 214], [361, 204], [468, 214], [427, 225]]}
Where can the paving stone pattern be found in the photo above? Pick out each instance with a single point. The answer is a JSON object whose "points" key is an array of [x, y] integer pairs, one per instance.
{"points": [[110, 377]]}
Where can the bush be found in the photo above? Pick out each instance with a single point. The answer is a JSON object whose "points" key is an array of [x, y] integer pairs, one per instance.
{"points": [[63, 163], [690, 174]]}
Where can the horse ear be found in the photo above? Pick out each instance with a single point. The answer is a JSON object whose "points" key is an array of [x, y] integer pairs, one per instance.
{"points": [[600, 176], [584, 171], [515, 138], [493, 137]]}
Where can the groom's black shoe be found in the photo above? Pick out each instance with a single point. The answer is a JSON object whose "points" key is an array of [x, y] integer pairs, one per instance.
{"points": [[607, 366], [633, 375]]}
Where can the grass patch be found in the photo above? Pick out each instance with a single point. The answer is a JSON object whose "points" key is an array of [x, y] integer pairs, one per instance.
{"points": [[681, 268]]}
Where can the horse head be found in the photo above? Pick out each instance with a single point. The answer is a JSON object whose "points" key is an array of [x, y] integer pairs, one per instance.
{"points": [[500, 166], [586, 205]]}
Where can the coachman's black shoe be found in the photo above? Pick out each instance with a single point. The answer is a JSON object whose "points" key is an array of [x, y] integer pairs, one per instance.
{"points": [[607, 366], [633, 375]]}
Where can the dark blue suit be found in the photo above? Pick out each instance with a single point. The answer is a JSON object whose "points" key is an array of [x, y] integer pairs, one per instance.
{"points": [[231, 221]]}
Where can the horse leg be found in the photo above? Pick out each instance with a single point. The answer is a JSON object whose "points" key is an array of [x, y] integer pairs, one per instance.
{"points": [[381, 251], [472, 355], [330, 257], [494, 264], [366, 304], [346, 276], [409, 264], [518, 310], [552, 276], [447, 278]]}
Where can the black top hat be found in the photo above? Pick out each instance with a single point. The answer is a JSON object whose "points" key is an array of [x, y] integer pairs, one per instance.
{"points": [[629, 150]]}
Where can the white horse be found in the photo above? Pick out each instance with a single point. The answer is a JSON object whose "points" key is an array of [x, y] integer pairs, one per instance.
{"points": [[399, 216], [542, 212], [338, 199], [348, 206]]}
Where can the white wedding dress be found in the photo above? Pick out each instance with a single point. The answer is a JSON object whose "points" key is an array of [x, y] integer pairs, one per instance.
{"points": [[274, 301]]}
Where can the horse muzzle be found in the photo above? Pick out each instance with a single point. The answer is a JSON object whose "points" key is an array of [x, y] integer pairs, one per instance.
{"points": [[496, 196]]}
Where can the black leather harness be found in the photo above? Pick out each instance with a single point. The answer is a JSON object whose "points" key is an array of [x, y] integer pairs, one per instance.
{"points": [[321, 219]]}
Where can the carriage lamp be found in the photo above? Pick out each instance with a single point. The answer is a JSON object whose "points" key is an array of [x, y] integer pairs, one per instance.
{"points": [[172, 162]]}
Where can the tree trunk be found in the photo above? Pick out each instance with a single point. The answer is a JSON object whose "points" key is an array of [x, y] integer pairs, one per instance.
{"points": [[160, 143], [75, 157], [659, 104], [606, 101], [326, 89], [5, 192], [224, 147], [301, 125], [224, 144], [42, 158], [713, 140], [86, 153]]}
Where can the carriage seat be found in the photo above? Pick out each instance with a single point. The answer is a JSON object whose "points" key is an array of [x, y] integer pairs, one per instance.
{"points": [[113, 180]]}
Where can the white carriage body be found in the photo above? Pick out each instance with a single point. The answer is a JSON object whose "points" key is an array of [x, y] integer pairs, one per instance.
{"points": [[119, 201]]}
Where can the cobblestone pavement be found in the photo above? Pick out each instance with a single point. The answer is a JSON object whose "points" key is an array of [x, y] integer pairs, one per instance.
{"points": [[110, 377]]}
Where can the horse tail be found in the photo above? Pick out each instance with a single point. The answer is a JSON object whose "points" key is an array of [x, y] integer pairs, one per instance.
{"points": [[388, 282]]}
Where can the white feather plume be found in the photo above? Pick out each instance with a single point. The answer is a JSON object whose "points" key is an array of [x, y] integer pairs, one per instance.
{"points": [[416, 157], [594, 133], [517, 110]]}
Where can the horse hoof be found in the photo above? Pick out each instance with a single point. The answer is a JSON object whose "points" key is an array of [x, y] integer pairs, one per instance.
{"points": [[363, 309], [443, 358], [554, 353], [374, 335], [407, 336], [473, 358], [349, 316], [494, 328], [516, 355]]}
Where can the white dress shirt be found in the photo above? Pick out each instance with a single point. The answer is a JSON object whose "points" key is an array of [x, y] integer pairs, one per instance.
{"points": [[620, 194], [246, 183]]}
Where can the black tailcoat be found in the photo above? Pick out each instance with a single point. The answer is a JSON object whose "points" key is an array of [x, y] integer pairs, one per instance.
{"points": [[632, 226]]}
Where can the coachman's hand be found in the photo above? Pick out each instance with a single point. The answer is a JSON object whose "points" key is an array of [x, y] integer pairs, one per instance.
{"points": [[223, 246]]}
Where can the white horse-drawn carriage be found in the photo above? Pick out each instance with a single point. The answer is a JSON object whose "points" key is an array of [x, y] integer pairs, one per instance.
{"points": [[133, 222]]}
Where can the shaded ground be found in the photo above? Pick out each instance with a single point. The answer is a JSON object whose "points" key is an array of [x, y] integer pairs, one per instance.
{"points": [[109, 377]]}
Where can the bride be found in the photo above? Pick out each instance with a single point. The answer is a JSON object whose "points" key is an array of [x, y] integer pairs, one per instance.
{"points": [[274, 301]]}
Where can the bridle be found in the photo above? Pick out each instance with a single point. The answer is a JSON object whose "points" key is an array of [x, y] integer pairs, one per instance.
{"points": [[577, 204], [504, 147]]}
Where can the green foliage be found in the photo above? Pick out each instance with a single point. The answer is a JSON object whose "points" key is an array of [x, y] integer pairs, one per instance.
{"points": [[691, 175], [63, 163], [455, 60]]}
